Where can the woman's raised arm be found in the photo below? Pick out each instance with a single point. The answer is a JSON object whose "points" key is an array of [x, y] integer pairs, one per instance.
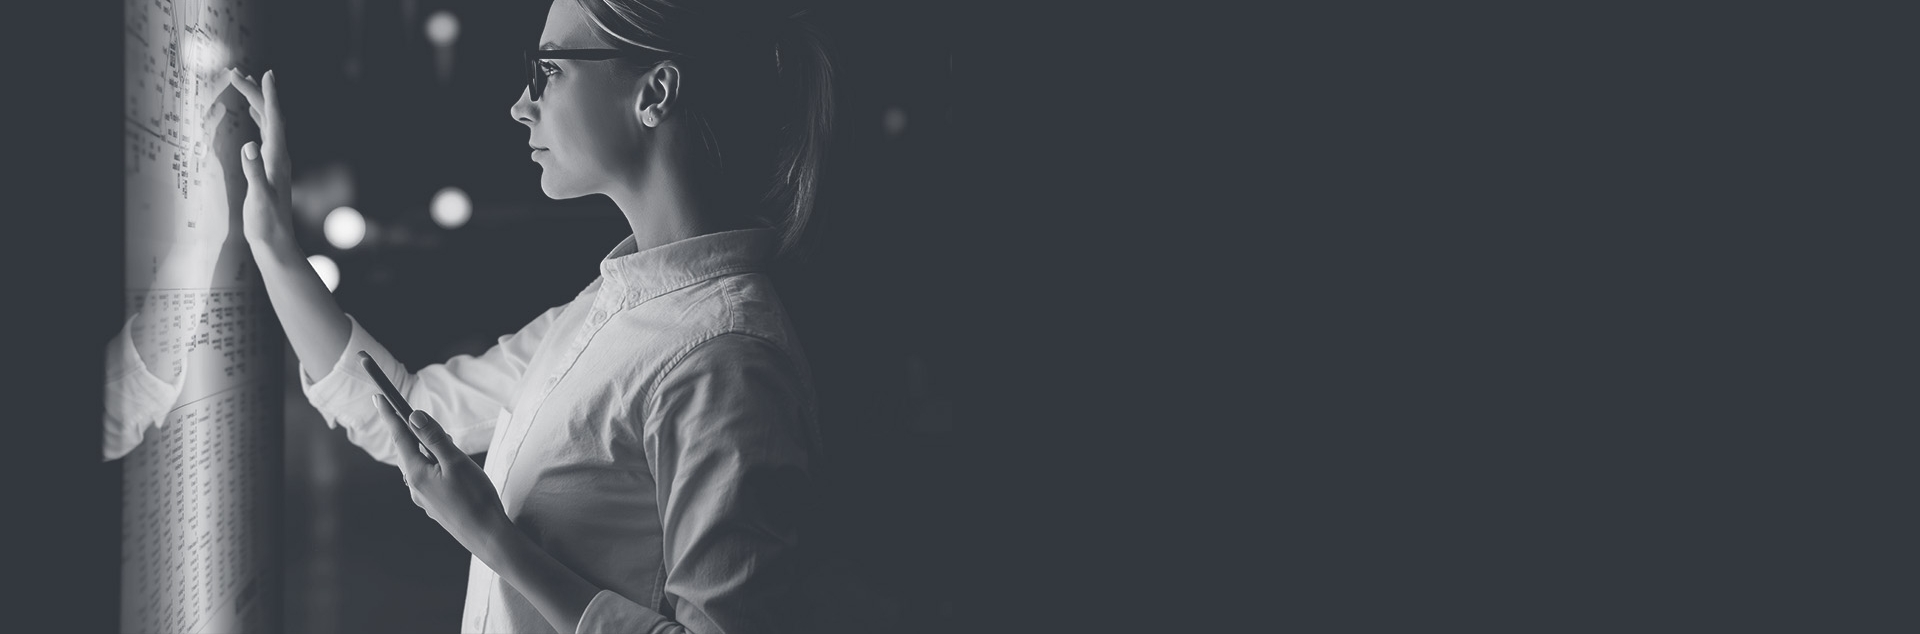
{"points": [[314, 323]]}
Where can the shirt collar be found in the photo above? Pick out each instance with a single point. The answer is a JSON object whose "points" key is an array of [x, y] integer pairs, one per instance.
{"points": [[638, 276]]}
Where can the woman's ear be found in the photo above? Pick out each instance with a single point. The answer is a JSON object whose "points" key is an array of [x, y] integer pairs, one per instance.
{"points": [[659, 91]]}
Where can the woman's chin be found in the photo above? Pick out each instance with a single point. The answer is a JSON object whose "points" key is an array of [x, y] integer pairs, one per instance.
{"points": [[560, 185], [556, 191]]}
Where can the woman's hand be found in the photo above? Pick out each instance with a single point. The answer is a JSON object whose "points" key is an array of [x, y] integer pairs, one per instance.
{"points": [[452, 489], [268, 213]]}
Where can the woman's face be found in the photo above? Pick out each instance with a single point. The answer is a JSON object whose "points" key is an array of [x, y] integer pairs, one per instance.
{"points": [[585, 119]]}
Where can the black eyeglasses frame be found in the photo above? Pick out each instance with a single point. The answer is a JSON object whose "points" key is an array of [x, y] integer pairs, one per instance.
{"points": [[537, 81]]}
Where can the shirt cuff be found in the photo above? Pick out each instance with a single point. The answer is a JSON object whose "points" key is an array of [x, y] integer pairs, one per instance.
{"points": [[135, 398], [345, 387], [610, 612]]}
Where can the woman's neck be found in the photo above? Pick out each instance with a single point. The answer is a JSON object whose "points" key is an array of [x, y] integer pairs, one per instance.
{"points": [[666, 207]]}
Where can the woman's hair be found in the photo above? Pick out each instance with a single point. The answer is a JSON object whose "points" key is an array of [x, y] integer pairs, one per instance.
{"points": [[757, 85]]}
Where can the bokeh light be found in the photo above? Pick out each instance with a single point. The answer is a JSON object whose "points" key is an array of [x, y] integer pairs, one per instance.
{"points": [[344, 228], [451, 207], [442, 28], [329, 272]]}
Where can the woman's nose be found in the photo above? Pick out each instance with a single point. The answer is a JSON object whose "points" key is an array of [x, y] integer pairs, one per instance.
{"points": [[522, 109]]}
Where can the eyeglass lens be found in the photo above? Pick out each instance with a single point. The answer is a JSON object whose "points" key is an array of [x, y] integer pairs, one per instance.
{"points": [[536, 81]]}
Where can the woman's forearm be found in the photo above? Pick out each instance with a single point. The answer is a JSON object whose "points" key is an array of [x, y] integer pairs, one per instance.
{"points": [[313, 321]]}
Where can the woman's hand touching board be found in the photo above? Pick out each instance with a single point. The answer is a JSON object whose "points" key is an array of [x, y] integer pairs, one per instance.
{"points": [[268, 212]]}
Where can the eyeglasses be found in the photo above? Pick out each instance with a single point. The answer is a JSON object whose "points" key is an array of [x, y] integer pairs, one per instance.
{"points": [[537, 79]]}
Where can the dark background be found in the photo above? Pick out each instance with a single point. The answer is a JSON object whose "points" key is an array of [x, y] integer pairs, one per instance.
{"points": [[1393, 316]]}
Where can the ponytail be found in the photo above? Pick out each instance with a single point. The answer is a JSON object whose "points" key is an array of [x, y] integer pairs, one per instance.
{"points": [[806, 84]]}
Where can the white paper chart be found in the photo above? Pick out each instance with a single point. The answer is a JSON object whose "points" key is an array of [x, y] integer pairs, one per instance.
{"points": [[200, 521]]}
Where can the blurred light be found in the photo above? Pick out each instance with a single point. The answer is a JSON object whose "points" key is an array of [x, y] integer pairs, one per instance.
{"points": [[451, 207], [344, 228], [894, 121], [329, 272], [207, 58], [443, 28]]}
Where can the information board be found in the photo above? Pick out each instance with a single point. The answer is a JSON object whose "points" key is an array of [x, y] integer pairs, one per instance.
{"points": [[200, 516]]}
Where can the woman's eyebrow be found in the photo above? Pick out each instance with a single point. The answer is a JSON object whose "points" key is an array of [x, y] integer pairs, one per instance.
{"points": [[548, 46]]}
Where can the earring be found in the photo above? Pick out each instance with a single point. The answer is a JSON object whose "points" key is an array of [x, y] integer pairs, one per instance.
{"points": [[647, 117]]}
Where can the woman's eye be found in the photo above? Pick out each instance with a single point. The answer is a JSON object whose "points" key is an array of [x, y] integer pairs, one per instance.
{"points": [[549, 68]]}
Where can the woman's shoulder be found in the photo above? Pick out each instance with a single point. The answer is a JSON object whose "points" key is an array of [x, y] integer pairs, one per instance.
{"points": [[753, 309], [751, 298], [741, 303], [732, 320]]}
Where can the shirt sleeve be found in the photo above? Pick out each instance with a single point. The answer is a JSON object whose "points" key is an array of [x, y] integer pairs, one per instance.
{"points": [[136, 400], [465, 393], [728, 439]]}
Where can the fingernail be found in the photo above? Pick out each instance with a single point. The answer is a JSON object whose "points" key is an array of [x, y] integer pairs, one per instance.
{"points": [[250, 151], [414, 420]]}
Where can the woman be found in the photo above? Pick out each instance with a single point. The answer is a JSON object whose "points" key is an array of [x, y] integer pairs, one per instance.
{"points": [[649, 441]]}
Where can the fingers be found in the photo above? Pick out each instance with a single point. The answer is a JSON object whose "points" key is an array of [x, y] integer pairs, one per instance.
{"points": [[263, 102], [279, 165], [433, 436], [256, 101], [257, 182], [270, 88], [412, 465], [246, 87]]}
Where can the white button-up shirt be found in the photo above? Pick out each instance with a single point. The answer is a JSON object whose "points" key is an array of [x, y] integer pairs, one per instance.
{"points": [[653, 435]]}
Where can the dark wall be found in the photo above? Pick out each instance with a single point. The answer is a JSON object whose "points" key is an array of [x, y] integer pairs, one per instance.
{"points": [[66, 254]]}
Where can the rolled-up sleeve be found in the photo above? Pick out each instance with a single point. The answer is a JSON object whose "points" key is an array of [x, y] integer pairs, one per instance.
{"points": [[136, 400], [727, 434], [465, 393]]}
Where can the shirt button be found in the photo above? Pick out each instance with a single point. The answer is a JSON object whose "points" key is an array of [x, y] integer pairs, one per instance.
{"points": [[599, 315]]}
